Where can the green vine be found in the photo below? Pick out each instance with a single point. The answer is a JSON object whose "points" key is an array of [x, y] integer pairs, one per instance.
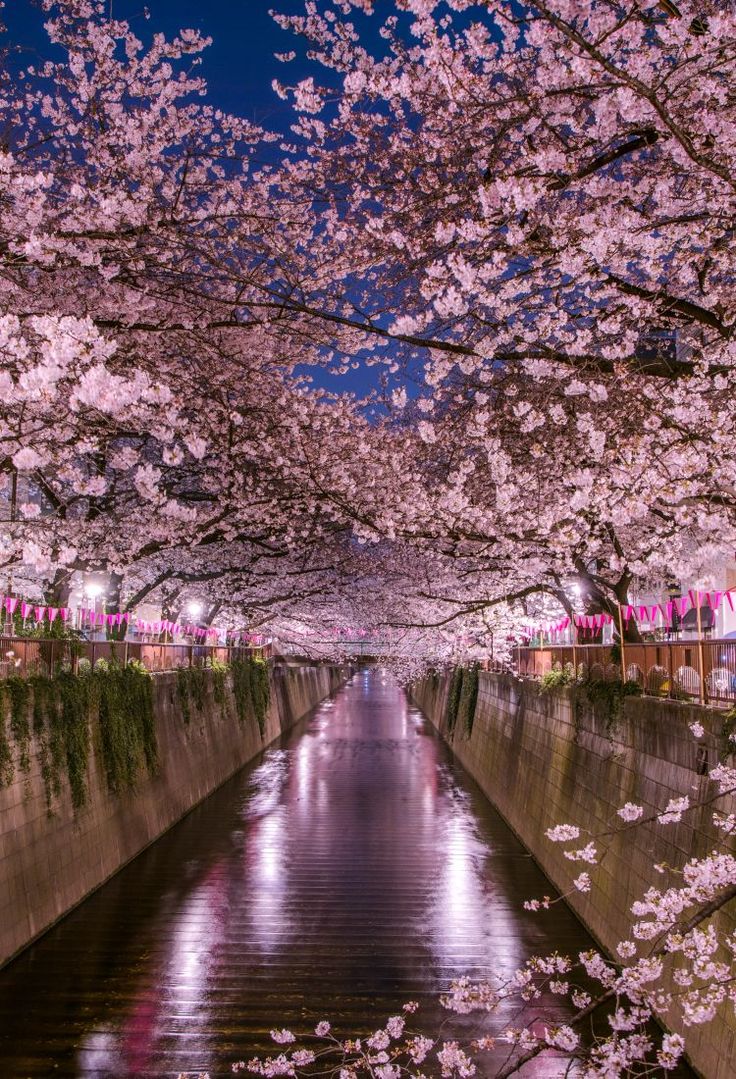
{"points": [[251, 690], [20, 693], [219, 675], [609, 698], [48, 732], [469, 698], [112, 704], [127, 732], [191, 687], [182, 693], [453, 698], [557, 677], [121, 701], [6, 754], [241, 688], [75, 697], [260, 692]]}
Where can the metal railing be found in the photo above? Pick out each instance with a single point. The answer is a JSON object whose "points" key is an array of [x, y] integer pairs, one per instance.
{"points": [[694, 670], [25, 656]]}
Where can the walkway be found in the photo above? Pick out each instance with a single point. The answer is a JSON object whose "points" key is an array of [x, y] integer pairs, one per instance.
{"points": [[352, 867]]}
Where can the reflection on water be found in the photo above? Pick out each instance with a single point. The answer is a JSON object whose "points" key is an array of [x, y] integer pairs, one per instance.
{"points": [[353, 867]]}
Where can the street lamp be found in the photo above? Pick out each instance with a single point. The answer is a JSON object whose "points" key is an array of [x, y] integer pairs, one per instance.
{"points": [[195, 609], [93, 591]]}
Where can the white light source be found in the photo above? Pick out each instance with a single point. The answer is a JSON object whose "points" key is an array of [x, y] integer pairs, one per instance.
{"points": [[93, 590], [195, 609]]}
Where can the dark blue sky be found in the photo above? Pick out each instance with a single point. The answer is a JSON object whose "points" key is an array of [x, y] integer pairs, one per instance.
{"points": [[239, 67]]}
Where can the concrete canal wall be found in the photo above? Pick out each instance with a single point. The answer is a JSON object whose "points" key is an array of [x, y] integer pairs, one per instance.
{"points": [[543, 759], [52, 855]]}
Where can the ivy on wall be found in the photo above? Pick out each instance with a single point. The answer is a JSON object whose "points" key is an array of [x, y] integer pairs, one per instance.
{"points": [[608, 699], [453, 698], [184, 693], [6, 753], [462, 698], [191, 688], [251, 690], [250, 683], [469, 698], [113, 703], [112, 708], [19, 692], [219, 676], [126, 727]]}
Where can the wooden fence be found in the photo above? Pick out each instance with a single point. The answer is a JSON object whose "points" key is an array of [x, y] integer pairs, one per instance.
{"points": [[25, 656], [703, 670]]}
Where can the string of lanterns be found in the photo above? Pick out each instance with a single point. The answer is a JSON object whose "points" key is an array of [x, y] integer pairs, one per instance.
{"points": [[87, 618], [665, 613]]}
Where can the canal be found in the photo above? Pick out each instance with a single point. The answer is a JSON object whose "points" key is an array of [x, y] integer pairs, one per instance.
{"points": [[352, 867]]}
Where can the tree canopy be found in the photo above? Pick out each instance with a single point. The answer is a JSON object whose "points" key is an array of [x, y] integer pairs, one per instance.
{"points": [[521, 215]]}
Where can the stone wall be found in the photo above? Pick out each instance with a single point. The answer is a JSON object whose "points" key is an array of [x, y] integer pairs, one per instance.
{"points": [[542, 761], [50, 861]]}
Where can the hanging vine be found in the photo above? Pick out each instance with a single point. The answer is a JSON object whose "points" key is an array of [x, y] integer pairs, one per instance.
{"points": [[219, 680], [182, 694], [126, 727], [47, 732], [251, 689], [75, 693], [118, 699], [191, 688], [469, 698], [112, 707], [453, 698], [19, 693], [241, 688], [6, 754]]}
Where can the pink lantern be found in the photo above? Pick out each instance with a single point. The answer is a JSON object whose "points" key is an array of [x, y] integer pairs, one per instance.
{"points": [[52, 613], [10, 604], [64, 614]]}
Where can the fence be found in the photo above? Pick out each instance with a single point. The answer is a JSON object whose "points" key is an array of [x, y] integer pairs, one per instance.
{"points": [[25, 656], [685, 670]]}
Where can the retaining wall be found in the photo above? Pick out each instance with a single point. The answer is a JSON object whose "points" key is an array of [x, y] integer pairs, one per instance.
{"points": [[542, 761], [49, 862]]}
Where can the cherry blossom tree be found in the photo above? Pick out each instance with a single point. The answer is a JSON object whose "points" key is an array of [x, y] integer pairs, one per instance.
{"points": [[530, 202], [524, 212]]}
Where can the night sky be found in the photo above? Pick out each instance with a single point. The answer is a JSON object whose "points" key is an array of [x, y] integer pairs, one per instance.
{"points": [[239, 68], [239, 65]]}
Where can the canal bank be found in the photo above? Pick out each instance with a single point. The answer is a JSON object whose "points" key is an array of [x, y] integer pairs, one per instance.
{"points": [[64, 832], [351, 867], [548, 756]]}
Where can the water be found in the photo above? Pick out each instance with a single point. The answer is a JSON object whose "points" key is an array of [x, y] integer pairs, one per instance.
{"points": [[352, 867]]}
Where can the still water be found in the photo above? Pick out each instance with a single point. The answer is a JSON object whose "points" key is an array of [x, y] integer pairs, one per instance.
{"points": [[350, 868]]}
